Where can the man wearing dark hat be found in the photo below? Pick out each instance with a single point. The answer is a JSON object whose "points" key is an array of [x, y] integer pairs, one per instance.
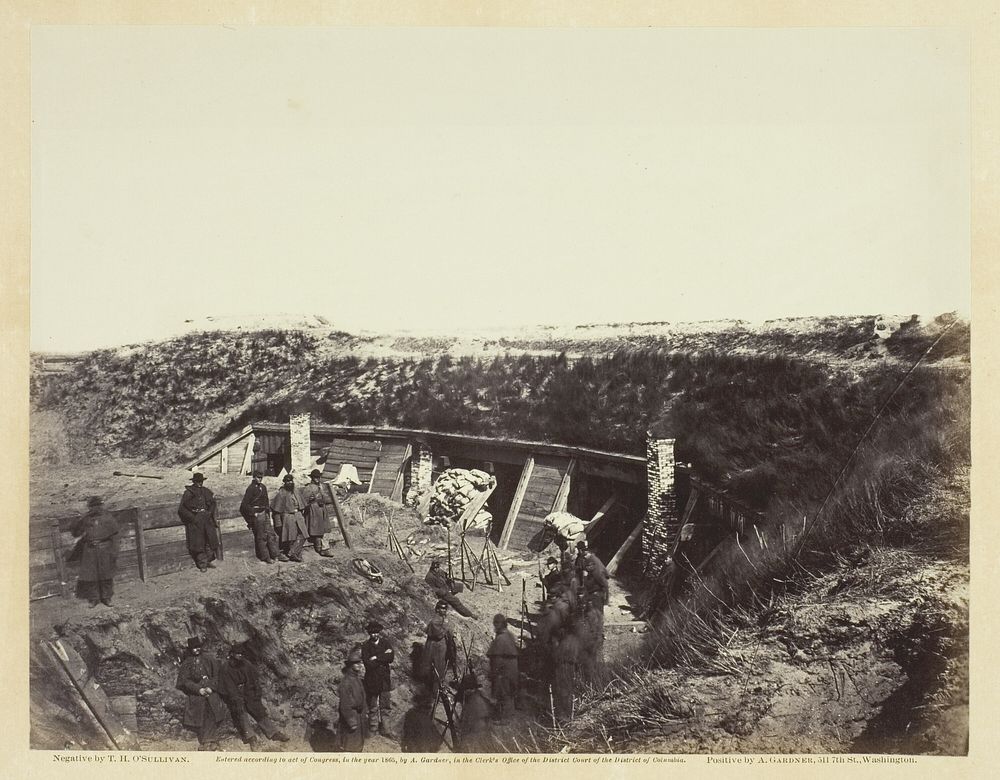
{"points": [[286, 509], [553, 580], [377, 654], [503, 654], [440, 650], [352, 708], [197, 510], [98, 532], [198, 677], [315, 513], [445, 589], [239, 685], [256, 510]]}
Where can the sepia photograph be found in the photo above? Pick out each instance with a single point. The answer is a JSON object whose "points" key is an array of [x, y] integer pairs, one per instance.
{"points": [[500, 391]]}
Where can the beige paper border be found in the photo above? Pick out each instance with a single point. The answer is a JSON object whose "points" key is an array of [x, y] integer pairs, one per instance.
{"points": [[978, 17]]}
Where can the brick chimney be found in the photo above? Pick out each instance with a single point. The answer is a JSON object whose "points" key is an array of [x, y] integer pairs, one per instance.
{"points": [[660, 531], [300, 441]]}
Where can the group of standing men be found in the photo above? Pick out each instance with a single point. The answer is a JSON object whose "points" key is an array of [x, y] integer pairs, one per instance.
{"points": [[281, 525]]}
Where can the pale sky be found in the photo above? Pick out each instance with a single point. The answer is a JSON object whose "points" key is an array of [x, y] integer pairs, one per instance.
{"points": [[458, 178]]}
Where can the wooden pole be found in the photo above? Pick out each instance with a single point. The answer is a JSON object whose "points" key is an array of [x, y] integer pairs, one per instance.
{"points": [[140, 543], [340, 515]]}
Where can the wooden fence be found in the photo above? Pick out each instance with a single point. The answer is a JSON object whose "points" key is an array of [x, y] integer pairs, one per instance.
{"points": [[150, 543]]}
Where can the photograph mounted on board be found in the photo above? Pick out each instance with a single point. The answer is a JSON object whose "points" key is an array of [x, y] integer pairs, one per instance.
{"points": [[454, 390]]}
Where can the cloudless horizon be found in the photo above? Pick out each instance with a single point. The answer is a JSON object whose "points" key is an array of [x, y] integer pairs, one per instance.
{"points": [[421, 179]]}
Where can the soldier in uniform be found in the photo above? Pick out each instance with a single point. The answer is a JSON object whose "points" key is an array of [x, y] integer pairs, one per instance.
{"points": [[239, 685], [198, 677], [352, 709], [503, 655], [440, 650], [286, 509], [197, 511], [256, 510], [593, 575], [98, 532], [316, 514], [378, 656]]}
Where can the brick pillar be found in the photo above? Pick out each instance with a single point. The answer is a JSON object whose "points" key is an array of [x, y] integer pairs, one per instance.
{"points": [[300, 440], [421, 470], [660, 531]]}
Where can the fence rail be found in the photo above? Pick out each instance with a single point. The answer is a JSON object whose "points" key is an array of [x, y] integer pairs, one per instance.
{"points": [[151, 542]]}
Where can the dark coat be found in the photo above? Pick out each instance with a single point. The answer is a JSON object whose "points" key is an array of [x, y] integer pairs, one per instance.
{"points": [[595, 576], [239, 685], [255, 500], [314, 509], [98, 532], [201, 671], [474, 723], [503, 654], [195, 501], [377, 658], [287, 509], [353, 711], [440, 650]]}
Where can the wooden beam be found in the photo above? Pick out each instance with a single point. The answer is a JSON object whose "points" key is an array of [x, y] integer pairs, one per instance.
{"points": [[223, 460], [140, 544], [619, 556], [58, 555], [601, 512], [397, 488], [248, 455], [562, 495], [339, 514], [515, 504], [473, 507]]}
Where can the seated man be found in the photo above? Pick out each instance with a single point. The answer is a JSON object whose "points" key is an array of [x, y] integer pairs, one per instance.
{"points": [[239, 685], [445, 588]]}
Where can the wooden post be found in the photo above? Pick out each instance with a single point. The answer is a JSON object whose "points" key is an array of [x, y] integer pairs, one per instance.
{"points": [[57, 552], [140, 543], [397, 488], [224, 460], [615, 562], [339, 514], [562, 495], [247, 465], [515, 504]]}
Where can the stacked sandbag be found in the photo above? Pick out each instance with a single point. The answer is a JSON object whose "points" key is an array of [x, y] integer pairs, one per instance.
{"points": [[453, 491], [563, 524]]}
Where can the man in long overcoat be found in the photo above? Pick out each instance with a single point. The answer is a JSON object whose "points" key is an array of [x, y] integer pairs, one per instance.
{"points": [[197, 511], [440, 650], [98, 532], [239, 685], [286, 509], [503, 655], [316, 514], [351, 708], [256, 510], [198, 677], [378, 656], [592, 573]]}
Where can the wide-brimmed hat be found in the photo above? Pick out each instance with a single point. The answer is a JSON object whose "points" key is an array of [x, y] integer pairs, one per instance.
{"points": [[198, 477], [315, 473], [373, 627], [287, 478], [354, 657]]}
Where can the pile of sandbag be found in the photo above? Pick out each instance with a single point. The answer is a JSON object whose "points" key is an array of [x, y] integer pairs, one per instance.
{"points": [[563, 524], [453, 492]]}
